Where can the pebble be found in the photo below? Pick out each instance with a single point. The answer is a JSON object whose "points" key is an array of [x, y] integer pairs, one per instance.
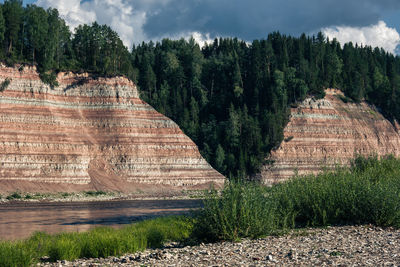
{"points": [[344, 246]]}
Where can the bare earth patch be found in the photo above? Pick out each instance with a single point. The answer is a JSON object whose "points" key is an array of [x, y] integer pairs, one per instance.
{"points": [[339, 246]]}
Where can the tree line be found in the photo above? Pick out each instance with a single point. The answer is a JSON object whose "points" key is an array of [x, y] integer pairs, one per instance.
{"points": [[33, 35], [230, 97]]}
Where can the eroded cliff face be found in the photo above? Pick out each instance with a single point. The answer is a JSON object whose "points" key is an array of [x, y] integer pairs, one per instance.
{"points": [[90, 133], [325, 132]]}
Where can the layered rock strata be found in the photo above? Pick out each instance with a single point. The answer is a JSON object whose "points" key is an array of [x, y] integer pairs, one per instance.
{"points": [[326, 132], [91, 131]]}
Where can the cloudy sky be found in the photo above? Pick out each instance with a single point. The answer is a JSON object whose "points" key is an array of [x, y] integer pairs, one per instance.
{"points": [[370, 22]]}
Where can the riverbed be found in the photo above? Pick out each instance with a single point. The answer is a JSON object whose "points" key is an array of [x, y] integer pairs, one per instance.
{"points": [[19, 220]]}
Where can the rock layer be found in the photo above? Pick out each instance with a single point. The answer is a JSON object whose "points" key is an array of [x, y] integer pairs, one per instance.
{"points": [[323, 133], [91, 131]]}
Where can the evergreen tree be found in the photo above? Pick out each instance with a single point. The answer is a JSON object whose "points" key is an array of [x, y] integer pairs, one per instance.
{"points": [[12, 12], [36, 32], [2, 29]]}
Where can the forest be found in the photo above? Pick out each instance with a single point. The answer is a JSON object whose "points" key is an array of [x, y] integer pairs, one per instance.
{"points": [[231, 97]]}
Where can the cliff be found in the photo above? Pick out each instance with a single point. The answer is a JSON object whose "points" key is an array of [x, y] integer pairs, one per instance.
{"points": [[90, 133], [326, 132]]}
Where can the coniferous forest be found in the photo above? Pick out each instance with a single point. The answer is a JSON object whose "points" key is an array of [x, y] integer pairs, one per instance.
{"points": [[231, 97]]}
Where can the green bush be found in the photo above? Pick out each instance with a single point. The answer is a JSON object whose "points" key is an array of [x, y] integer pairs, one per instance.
{"points": [[368, 192], [345, 99], [49, 78], [4, 84], [15, 195], [243, 210], [95, 193]]}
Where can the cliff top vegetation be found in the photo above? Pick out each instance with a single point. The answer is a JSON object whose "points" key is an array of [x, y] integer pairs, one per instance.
{"points": [[230, 97]]}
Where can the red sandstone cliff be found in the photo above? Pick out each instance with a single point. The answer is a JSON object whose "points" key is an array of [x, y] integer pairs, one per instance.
{"points": [[325, 132], [90, 133]]}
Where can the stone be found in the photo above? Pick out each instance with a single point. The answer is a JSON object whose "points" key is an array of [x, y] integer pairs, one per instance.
{"points": [[328, 132], [323, 243], [91, 133]]}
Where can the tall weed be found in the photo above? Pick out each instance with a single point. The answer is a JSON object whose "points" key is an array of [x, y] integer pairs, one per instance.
{"points": [[367, 192]]}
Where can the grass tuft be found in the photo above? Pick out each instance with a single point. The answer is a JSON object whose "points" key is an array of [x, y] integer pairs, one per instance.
{"points": [[15, 254], [98, 242], [368, 192]]}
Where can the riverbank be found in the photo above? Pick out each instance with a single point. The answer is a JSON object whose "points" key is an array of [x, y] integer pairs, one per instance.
{"points": [[90, 196], [365, 194], [346, 246]]}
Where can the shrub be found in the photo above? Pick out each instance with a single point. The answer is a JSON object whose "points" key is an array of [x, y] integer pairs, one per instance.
{"points": [[368, 192], [288, 139], [95, 193], [15, 195], [49, 78], [4, 84], [64, 195], [243, 210], [345, 99]]}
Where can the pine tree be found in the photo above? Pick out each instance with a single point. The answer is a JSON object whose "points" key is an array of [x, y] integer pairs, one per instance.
{"points": [[2, 28], [12, 11], [36, 32]]}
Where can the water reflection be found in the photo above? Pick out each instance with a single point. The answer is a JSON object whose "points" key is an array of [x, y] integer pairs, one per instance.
{"points": [[20, 220]]}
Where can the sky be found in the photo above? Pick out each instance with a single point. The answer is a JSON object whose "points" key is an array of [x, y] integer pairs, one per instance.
{"points": [[367, 22]]}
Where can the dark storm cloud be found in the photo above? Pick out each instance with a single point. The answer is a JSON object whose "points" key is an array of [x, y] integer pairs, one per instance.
{"points": [[255, 18]]}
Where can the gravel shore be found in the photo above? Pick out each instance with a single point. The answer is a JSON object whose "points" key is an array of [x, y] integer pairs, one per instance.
{"points": [[339, 246]]}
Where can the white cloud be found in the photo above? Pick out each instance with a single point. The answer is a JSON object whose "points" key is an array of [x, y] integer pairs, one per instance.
{"points": [[71, 11], [125, 17], [202, 39], [141, 20], [120, 15], [379, 35]]}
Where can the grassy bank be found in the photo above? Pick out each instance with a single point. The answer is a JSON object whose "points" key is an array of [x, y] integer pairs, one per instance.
{"points": [[99, 242], [368, 192], [65, 196], [99, 195]]}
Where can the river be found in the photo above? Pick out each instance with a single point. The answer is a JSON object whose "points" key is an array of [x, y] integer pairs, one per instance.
{"points": [[19, 220]]}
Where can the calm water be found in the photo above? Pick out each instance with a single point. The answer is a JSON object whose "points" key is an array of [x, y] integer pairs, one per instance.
{"points": [[20, 219]]}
